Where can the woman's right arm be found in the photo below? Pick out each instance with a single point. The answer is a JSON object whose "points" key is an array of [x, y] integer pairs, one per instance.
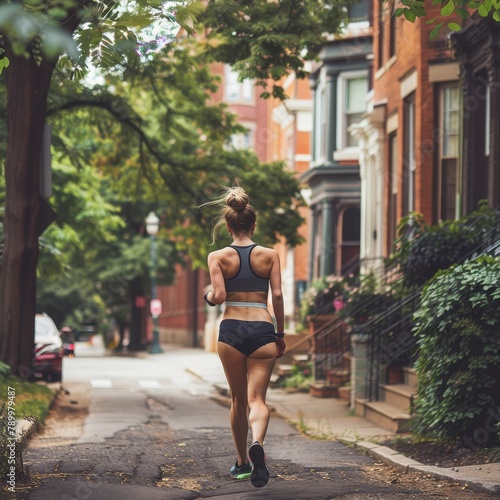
{"points": [[277, 299], [218, 293]]}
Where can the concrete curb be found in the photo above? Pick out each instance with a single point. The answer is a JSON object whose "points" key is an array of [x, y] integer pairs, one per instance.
{"points": [[465, 478], [26, 429]]}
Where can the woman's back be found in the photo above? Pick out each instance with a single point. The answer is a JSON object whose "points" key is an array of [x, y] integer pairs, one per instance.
{"points": [[261, 261]]}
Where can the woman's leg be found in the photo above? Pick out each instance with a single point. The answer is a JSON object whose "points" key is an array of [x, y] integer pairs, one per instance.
{"points": [[235, 368], [260, 366]]}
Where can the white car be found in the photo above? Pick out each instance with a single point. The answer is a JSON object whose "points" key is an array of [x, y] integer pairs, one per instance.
{"points": [[48, 353]]}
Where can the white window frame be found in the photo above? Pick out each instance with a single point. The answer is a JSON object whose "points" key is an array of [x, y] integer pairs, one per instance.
{"points": [[240, 99], [411, 133], [343, 150], [321, 108], [237, 140], [442, 155]]}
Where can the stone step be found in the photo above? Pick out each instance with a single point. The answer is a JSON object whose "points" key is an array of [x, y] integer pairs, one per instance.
{"points": [[410, 377], [359, 407], [387, 416], [321, 389], [338, 376], [398, 395]]}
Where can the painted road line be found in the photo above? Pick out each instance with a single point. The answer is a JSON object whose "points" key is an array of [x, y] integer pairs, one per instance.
{"points": [[101, 383], [149, 384]]}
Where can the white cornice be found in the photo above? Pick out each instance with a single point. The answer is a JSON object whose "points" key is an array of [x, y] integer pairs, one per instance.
{"points": [[294, 105]]}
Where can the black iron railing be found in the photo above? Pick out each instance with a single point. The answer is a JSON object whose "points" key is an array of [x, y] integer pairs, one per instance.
{"points": [[329, 346]]}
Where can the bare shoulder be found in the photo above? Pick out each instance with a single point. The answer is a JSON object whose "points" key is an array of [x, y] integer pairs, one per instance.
{"points": [[269, 254], [268, 250], [218, 255]]}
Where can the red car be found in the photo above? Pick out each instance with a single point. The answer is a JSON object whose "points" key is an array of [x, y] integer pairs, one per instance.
{"points": [[47, 361]]}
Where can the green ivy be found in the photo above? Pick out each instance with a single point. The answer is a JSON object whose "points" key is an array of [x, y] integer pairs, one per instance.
{"points": [[458, 334]]}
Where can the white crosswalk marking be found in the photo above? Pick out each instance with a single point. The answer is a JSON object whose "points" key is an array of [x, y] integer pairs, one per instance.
{"points": [[149, 384], [101, 383]]}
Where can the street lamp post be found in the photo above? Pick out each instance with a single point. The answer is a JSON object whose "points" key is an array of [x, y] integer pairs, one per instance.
{"points": [[152, 227]]}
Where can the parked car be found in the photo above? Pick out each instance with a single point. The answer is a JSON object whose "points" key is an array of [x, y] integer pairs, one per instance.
{"points": [[47, 361], [68, 341]]}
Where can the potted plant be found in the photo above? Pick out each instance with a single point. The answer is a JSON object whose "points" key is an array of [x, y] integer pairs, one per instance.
{"points": [[319, 297]]}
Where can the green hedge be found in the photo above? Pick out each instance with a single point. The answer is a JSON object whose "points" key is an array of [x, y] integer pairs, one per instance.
{"points": [[458, 333]]}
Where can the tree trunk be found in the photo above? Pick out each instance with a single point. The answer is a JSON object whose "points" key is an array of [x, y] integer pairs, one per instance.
{"points": [[27, 89]]}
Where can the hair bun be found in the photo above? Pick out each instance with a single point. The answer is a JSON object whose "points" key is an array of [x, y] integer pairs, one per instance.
{"points": [[237, 199]]}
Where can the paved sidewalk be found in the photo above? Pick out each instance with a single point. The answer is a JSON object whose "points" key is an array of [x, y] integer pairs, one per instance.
{"points": [[330, 417]]}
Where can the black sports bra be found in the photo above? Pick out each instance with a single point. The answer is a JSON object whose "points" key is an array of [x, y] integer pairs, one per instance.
{"points": [[246, 280]]}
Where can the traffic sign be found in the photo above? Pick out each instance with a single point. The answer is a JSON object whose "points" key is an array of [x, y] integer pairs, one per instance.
{"points": [[155, 307]]}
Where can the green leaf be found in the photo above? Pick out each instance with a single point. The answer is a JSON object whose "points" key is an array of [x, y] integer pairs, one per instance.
{"points": [[430, 21], [448, 9], [483, 11], [410, 15], [435, 32], [399, 12], [463, 13], [4, 63], [454, 26]]}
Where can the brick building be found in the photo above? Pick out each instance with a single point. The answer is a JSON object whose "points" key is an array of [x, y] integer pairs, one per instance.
{"points": [[409, 137]]}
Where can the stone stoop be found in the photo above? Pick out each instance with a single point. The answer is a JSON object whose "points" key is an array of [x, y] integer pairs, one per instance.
{"points": [[335, 379], [393, 411], [387, 416], [322, 389]]}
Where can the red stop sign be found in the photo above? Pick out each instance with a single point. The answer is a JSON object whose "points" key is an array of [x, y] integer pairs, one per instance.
{"points": [[155, 307]]}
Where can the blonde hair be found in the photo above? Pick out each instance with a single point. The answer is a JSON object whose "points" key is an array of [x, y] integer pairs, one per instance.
{"points": [[236, 212]]}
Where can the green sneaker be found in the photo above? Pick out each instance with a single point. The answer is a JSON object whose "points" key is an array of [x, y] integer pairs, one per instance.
{"points": [[242, 472]]}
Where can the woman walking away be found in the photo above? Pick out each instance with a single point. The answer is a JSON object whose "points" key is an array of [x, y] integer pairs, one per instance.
{"points": [[248, 343]]}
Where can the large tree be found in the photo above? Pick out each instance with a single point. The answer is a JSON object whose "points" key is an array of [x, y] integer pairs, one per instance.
{"points": [[267, 38], [449, 13]]}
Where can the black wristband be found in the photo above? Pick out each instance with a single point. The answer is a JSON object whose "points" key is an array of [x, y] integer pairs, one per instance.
{"points": [[280, 335], [211, 304]]}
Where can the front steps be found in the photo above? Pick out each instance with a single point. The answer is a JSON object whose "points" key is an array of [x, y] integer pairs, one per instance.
{"points": [[336, 379], [393, 411]]}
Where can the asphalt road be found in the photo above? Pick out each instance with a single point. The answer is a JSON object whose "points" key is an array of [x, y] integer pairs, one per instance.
{"points": [[144, 428]]}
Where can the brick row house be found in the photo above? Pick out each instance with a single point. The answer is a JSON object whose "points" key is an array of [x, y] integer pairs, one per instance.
{"points": [[339, 81], [424, 137]]}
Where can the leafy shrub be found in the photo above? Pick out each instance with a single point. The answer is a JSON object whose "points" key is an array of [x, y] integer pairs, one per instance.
{"points": [[422, 251], [299, 378], [458, 334]]}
